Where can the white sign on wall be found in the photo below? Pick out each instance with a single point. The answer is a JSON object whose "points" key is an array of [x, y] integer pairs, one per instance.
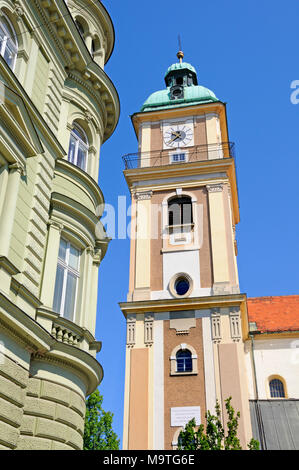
{"points": [[180, 416]]}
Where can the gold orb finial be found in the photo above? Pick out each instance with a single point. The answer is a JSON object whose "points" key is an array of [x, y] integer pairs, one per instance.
{"points": [[180, 56]]}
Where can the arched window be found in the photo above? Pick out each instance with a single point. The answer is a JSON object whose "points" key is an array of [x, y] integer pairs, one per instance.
{"points": [[8, 42], [67, 277], [180, 211], [80, 28], [93, 48], [78, 148], [276, 388], [184, 360]]}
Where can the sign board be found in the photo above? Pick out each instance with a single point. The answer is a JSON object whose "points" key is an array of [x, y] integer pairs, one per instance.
{"points": [[180, 416]]}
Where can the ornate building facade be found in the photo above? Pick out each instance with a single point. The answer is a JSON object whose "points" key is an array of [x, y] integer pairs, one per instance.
{"points": [[57, 108], [192, 337]]}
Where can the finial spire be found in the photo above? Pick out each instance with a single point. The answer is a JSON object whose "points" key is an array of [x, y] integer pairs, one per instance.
{"points": [[180, 54]]}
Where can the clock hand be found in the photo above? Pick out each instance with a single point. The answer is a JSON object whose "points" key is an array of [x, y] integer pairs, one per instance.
{"points": [[176, 137]]}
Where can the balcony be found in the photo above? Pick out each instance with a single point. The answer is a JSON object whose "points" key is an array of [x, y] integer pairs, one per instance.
{"points": [[179, 156]]}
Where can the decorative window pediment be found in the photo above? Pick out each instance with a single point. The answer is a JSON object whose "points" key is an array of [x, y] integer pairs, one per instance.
{"points": [[16, 126]]}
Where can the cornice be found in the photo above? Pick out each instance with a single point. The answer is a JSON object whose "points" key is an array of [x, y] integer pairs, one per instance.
{"points": [[188, 303], [80, 362], [50, 27], [75, 209], [87, 180]]}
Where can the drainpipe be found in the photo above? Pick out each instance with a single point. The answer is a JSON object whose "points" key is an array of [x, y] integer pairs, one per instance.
{"points": [[256, 404]]}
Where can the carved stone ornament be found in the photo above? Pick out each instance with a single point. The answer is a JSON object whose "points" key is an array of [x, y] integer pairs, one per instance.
{"points": [[148, 330], [216, 325], [131, 331], [214, 188], [88, 116], [18, 10], [235, 323], [143, 196], [97, 258]]}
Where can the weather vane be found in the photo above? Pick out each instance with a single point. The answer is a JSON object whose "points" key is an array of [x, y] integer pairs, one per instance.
{"points": [[180, 54]]}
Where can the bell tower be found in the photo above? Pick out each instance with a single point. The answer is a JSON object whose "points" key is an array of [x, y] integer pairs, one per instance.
{"points": [[186, 318]]}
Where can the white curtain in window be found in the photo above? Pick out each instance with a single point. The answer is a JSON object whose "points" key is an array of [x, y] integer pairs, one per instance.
{"points": [[67, 276], [78, 148], [8, 42]]}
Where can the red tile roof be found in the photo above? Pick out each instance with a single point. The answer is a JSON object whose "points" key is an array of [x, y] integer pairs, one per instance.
{"points": [[279, 313]]}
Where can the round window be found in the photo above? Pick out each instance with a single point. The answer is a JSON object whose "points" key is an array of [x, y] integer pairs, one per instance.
{"points": [[182, 286]]}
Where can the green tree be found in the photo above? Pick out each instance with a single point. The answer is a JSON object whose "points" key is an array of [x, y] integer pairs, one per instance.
{"points": [[98, 432], [214, 438]]}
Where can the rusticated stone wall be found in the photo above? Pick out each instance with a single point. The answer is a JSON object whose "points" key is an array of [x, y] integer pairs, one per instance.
{"points": [[13, 383], [53, 417]]}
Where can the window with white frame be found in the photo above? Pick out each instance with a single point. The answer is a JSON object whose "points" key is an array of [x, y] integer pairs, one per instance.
{"points": [[184, 360], [178, 157], [78, 148], [8, 42], [67, 277]]}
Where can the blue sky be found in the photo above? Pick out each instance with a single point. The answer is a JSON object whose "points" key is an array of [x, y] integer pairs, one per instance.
{"points": [[247, 53]]}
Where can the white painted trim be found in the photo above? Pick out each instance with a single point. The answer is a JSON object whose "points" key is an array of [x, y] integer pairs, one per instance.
{"points": [[209, 369], [158, 384]]}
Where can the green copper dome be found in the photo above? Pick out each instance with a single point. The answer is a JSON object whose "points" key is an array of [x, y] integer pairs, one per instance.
{"points": [[180, 66], [192, 95], [182, 89]]}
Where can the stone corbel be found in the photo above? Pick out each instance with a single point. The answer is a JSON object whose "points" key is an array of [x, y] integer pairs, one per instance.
{"points": [[97, 256]]}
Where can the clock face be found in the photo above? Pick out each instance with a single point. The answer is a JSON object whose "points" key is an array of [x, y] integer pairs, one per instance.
{"points": [[178, 136]]}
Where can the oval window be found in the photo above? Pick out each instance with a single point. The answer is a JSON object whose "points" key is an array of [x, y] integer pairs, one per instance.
{"points": [[182, 286]]}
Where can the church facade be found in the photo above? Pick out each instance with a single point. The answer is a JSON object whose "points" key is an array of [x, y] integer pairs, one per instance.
{"points": [[57, 108], [192, 337]]}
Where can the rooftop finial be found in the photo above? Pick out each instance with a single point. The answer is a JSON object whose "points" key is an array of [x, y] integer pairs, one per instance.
{"points": [[180, 54]]}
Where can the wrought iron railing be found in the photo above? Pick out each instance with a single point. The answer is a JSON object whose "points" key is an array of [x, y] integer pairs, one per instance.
{"points": [[191, 154]]}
